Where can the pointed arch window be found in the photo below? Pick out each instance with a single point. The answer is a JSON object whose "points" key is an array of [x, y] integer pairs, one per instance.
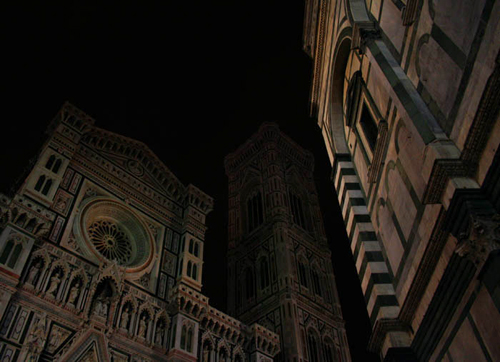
{"points": [[15, 255], [39, 183], [328, 351], [264, 273], [312, 346], [255, 215], [57, 166], [194, 274], [46, 188], [196, 249], [316, 282], [191, 246], [6, 251], [249, 283], [189, 340], [183, 337], [298, 211], [189, 267], [302, 274], [50, 162]]}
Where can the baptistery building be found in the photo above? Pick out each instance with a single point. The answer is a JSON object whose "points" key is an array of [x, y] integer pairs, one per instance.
{"points": [[407, 96], [101, 259]]}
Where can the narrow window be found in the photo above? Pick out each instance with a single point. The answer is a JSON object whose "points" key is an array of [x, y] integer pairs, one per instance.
{"points": [[6, 251], [47, 187], [189, 340], [189, 266], [302, 274], [50, 162], [195, 272], [313, 348], [183, 337], [39, 183], [191, 246], [249, 283], [196, 249], [316, 283], [57, 166], [369, 127], [264, 273], [15, 256], [180, 267]]}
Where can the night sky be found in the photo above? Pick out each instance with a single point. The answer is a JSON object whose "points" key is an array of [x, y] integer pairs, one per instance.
{"points": [[192, 80]]}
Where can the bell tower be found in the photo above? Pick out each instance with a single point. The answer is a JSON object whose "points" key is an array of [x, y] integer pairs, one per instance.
{"points": [[280, 273]]}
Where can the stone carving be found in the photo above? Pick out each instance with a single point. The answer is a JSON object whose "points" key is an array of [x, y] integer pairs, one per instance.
{"points": [[54, 284], [125, 318], [482, 239], [33, 273], [36, 339], [55, 339], [73, 294], [159, 334], [142, 327]]}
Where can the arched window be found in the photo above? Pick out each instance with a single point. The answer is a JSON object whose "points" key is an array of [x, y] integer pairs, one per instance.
{"points": [[264, 273], [298, 211], [40, 183], [191, 246], [6, 251], [47, 186], [189, 266], [249, 283], [183, 337], [189, 342], [312, 346], [31, 225], [222, 354], [255, 215], [15, 255], [328, 351], [50, 162], [316, 282], [196, 249], [302, 274], [207, 351], [195, 272], [57, 166]]}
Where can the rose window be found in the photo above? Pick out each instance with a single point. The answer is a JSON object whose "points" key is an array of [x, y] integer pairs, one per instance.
{"points": [[110, 241], [110, 230]]}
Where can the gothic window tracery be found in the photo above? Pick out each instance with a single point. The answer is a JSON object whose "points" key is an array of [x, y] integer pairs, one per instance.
{"points": [[316, 283], [328, 350], [302, 273], [298, 212], [312, 346], [264, 272], [255, 214]]}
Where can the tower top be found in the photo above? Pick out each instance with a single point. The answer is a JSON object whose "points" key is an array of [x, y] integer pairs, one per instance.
{"points": [[268, 133]]}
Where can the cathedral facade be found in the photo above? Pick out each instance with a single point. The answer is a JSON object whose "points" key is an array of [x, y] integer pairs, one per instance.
{"points": [[407, 95], [279, 265], [101, 259]]}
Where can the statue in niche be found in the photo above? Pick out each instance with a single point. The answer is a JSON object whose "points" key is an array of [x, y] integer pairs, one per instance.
{"points": [[98, 306], [159, 334], [35, 269], [105, 307], [124, 319], [54, 283], [73, 294], [142, 327]]}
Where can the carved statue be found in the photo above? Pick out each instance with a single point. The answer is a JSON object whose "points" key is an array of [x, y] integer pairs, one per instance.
{"points": [[104, 310], [159, 334], [98, 306], [54, 283], [73, 293], [125, 318], [35, 269], [142, 327], [55, 339]]}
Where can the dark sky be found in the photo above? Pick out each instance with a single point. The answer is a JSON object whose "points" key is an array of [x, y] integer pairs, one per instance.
{"points": [[191, 79]]}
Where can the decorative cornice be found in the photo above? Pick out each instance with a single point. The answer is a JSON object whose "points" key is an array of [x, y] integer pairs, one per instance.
{"points": [[443, 169], [380, 330]]}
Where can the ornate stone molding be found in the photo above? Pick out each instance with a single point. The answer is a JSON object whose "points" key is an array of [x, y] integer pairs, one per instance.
{"points": [[378, 154], [380, 330], [410, 12], [443, 169], [482, 238], [362, 34]]}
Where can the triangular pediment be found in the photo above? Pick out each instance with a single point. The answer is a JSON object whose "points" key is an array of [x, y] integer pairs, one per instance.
{"points": [[136, 159], [90, 346]]}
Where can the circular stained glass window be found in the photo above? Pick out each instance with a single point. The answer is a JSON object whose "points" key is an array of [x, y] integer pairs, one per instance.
{"points": [[110, 230], [110, 241]]}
